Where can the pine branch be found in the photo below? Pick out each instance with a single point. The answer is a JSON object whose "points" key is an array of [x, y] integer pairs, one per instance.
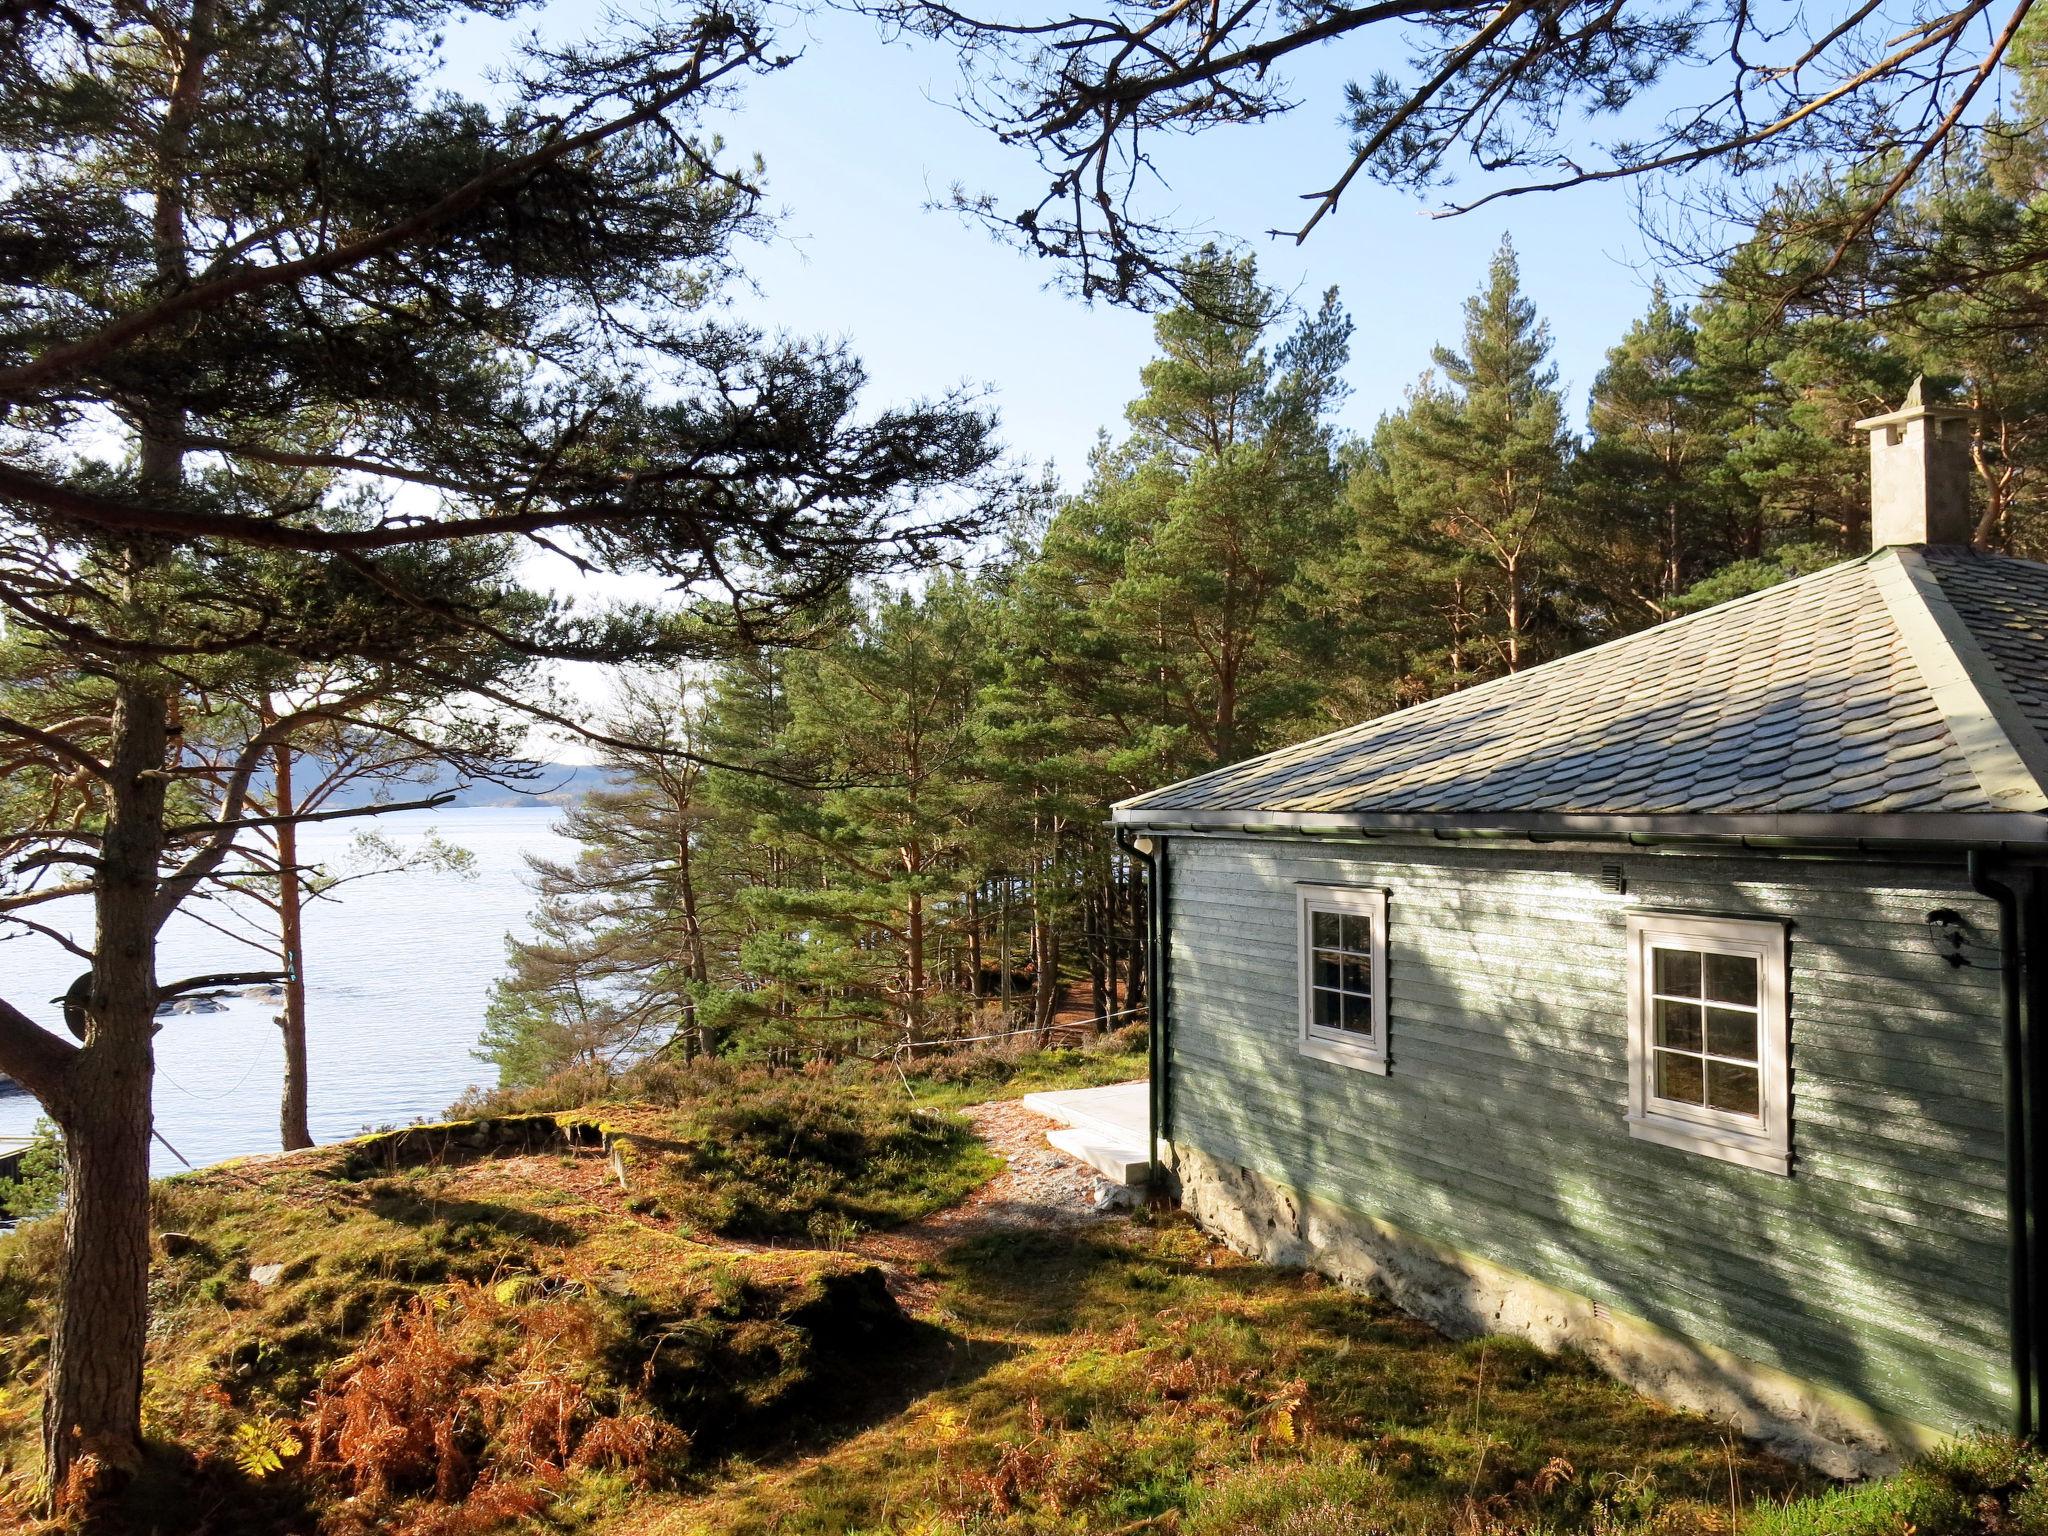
{"points": [[38, 1060]]}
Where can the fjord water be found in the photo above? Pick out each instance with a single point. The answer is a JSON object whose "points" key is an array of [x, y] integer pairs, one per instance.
{"points": [[398, 971]]}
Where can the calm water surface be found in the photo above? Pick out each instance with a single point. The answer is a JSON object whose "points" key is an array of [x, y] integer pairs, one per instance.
{"points": [[398, 970]]}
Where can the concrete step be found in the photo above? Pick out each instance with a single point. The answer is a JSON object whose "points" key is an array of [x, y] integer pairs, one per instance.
{"points": [[1118, 1162]]}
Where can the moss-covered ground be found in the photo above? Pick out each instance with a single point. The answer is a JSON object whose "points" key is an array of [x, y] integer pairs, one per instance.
{"points": [[481, 1329]]}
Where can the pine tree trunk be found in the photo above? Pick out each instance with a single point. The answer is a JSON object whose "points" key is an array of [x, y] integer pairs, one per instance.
{"points": [[294, 1126], [699, 960], [974, 942], [1112, 910], [1045, 994], [92, 1395], [1003, 957], [913, 1012], [1044, 956], [1097, 992]]}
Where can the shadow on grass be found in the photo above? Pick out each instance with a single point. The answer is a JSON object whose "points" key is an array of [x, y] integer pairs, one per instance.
{"points": [[411, 1208], [176, 1492], [1044, 1282], [853, 1361]]}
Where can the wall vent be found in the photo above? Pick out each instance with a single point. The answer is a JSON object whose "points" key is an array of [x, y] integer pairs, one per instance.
{"points": [[1613, 879]]}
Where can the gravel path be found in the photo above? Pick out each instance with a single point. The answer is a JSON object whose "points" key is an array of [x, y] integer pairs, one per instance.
{"points": [[1041, 1188]]}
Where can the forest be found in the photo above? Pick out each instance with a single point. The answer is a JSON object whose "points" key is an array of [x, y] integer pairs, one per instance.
{"points": [[896, 833], [345, 386]]}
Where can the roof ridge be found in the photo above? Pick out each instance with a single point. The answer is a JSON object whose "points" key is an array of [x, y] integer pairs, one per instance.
{"points": [[1462, 695], [2003, 749]]}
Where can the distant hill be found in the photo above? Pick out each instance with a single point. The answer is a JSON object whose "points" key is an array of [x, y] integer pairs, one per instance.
{"points": [[556, 784]]}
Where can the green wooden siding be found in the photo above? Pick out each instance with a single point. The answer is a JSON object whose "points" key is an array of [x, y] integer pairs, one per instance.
{"points": [[1877, 1267]]}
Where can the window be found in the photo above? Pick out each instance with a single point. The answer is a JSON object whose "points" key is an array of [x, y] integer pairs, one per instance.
{"points": [[1707, 1032], [1343, 975]]}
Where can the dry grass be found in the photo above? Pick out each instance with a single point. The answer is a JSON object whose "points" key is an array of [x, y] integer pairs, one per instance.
{"points": [[515, 1342], [1137, 1378], [514, 1332]]}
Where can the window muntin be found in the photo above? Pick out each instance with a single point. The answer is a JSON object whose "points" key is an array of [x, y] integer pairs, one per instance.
{"points": [[1343, 941], [1340, 972], [1708, 1036], [1706, 1016]]}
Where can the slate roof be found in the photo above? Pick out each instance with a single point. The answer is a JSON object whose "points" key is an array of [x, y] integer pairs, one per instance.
{"points": [[1908, 684]]}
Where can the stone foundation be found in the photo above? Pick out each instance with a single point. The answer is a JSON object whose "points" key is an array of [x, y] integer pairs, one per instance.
{"points": [[1466, 1296]]}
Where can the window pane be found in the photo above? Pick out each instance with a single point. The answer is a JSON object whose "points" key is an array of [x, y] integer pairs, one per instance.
{"points": [[1732, 979], [1678, 1025], [1358, 1015], [1327, 971], [1730, 1033], [1357, 932], [1323, 929], [1735, 1089], [1678, 972], [1327, 1011], [1678, 1077], [1358, 977]]}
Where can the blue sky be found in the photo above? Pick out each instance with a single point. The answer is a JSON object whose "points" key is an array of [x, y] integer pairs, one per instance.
{"points": [[859, 135]]}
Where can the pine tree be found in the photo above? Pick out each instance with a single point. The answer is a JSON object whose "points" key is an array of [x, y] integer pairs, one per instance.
{"points": [[626, 949], [1187, 553], [245, 240], [1462, 502], [884, 717], [1650, 486]]}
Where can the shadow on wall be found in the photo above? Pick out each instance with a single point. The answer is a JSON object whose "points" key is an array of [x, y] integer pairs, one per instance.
{"points": [[1877, 1268]]}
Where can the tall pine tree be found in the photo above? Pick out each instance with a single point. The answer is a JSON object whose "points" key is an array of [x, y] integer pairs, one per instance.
{"points": [[1651, 488], [1189, 549], [1462, 501]]}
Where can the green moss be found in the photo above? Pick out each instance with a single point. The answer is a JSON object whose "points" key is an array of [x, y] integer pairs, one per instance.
{"points": [[1125, 1376], [1980, 1486], [533, 1270], [803, 1157], [1141, 1374]]}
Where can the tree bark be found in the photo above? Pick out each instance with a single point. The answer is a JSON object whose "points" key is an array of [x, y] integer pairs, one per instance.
{"points": [[974, 942], [914, 1000], [1112, 913], [1003, 955], [699, 961], [294, 1127], [1097, 988], [92, 1397], [1044, 955]]}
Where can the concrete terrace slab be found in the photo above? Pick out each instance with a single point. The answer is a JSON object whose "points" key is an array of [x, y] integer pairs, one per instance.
{"points": [[1116, 1112], [1104, 1128]]}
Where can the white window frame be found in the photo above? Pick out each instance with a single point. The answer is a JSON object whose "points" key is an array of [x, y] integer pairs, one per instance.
{"points": [[1341, 1047], [1763, 1142]]}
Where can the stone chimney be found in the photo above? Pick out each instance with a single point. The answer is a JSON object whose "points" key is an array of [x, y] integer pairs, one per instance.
{"points": [[1920, 474]]}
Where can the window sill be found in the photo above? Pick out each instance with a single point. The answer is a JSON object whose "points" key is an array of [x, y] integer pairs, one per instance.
{"points": [[1686, 1137], [1342, 1053]]}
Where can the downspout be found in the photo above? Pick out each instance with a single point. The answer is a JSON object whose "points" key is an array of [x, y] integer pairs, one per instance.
{"points": [[1155, 1057], [2014, 1074], [2031, 982]]}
